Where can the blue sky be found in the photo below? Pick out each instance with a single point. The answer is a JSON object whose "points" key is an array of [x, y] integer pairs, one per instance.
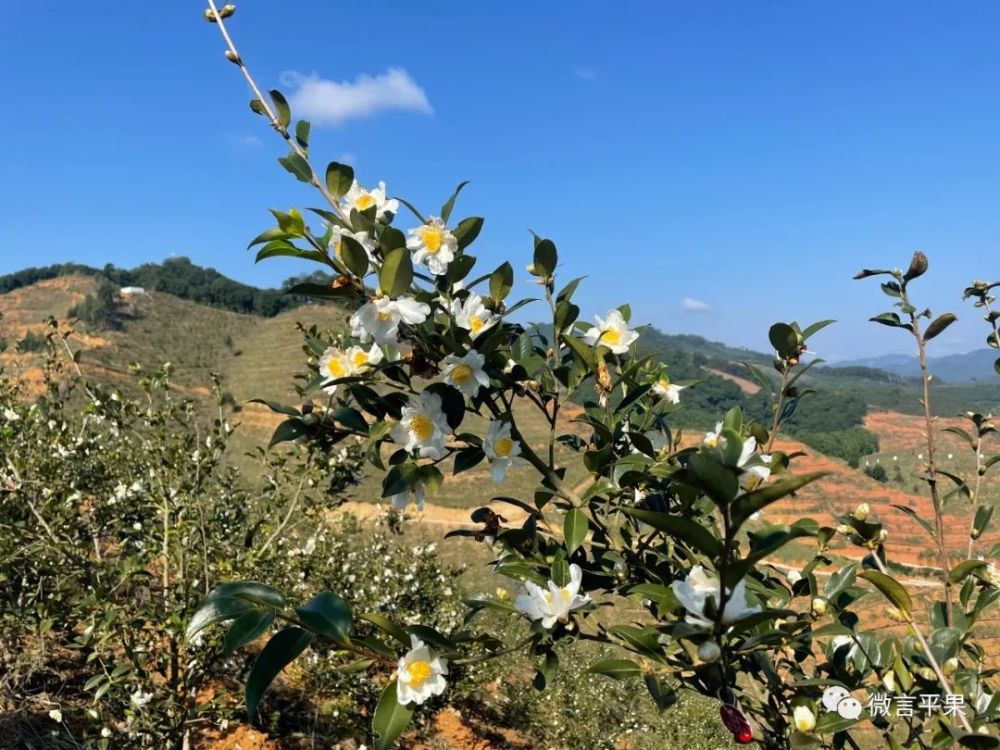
{"points": [[747, 156]]}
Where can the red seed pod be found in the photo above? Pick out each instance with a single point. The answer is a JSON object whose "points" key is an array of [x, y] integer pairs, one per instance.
{"points": [[736, 723]]}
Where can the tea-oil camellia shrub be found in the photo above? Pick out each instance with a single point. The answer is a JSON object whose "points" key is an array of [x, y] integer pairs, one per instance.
{"points": [[672, 528]]}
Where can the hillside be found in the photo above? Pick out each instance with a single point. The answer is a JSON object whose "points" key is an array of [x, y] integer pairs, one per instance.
{"points": [[952, 368]]}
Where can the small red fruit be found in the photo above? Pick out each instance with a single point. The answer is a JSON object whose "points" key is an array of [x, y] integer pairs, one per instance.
{"points": [[736, 723]]}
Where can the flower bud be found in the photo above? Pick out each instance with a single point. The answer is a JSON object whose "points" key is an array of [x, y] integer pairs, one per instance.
{"points": [[804, 719], [819, 606], [845, 529], [896, 615], [793, 576], [227, 10], [209, 15], [709, 651], [950, 666], [502, 594], [883, 535], [927, 673], [232, 57], [861, 512]]}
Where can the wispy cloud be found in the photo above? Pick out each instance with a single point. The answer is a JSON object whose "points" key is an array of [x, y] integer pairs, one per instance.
{"points": [[693, 305], [334, 102], [347, 158], [587, 74], [245, 140]]}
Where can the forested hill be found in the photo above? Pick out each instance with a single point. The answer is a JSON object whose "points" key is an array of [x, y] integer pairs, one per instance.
{"points": [[177, 276]]}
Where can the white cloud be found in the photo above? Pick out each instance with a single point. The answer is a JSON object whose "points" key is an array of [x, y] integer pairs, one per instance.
{"points": [[245, 140], [693, 305], [332, 103], [348, 158], [587, 74]]}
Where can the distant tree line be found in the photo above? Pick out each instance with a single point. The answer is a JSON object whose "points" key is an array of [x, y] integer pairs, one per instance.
{"points": [[177, 276]]}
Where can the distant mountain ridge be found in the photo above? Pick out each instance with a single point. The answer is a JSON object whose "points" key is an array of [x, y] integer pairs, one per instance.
{"points": [[952, 368], [177, 276]]}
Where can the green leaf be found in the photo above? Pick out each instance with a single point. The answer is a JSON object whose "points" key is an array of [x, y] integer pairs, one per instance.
{"points": [[468, 458], [691, 532], [390, 719], [918, 267], [252, 591], [890, 319], [290, 429], [339, 178], [575, 528], [916, 517], [890, 588], [387, 626], [938, 326], [467, 231], [964, 569], [784, 339], [268, 235], [247, 629], [217, 609], [354, 256], [546, 258], [276, 407], [580, 350], [321, 291], [282, 110], [501, 282], [746, 505], [446, 209], [617, 669], [866, 272], [302, 128], [816, 328], [297, 166], [720, 481], [279, 652], [397, 273], [329, 615]]}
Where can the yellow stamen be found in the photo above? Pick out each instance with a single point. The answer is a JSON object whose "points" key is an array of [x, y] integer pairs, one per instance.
{"points": [[364, 202], [565, 595], [335, 368], [503, 447], [712, 441], [611, 336], [360, 359], [461, 374], [383, 316], [422, 427], [420, 672], [432, 238], [476, 325]]}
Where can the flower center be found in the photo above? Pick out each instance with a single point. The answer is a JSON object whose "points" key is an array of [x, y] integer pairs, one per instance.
{"points": [[612, 336], [364, 202], [432, 237], [383, 316], [422, 427], [712, 441], [335, 368], [461, 374], [476, 324], [420, 672], [565, 595], [664, 383], [360, 359], [503, 447]]}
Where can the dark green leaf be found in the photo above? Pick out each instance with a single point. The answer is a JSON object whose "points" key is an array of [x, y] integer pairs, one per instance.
{"points": [[290, 429], [501, 282], [890, 588], [247, 628], [467, 231], [938, 326], [327, 614], [546, 258], [390, 719], [339, 178], [397, 273], [302, 128], [575, 527], [446, 209], [282, 111], [297, 166], [217, 609], [618, 669], [279, 652], [746, 505], [685, 529], [354, 256]]}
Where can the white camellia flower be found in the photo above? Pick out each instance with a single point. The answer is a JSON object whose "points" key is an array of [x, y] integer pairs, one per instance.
{"points": [[56, 715], [466, 372], [502, 451], [420, 674], [472, 314], [553, 603], [700, 586], [752, 464], [379, 319], [362, 238], [359, 358], [360, 199], [434, 245], [668, 391], [612, 332], [334, 365], [422, 427], [803, 718], [401, 499]]}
